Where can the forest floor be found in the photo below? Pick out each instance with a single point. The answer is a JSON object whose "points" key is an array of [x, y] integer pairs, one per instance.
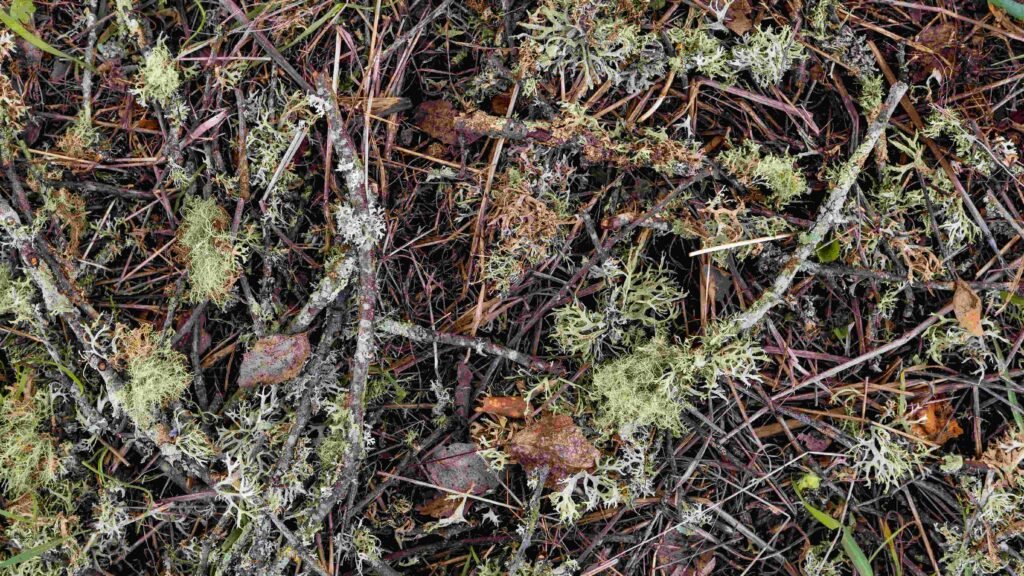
{"points": [[497, 287]]}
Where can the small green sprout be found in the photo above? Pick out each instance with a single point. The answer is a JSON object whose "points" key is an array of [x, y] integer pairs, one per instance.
{"points": [[214, 260], [157, 375]]}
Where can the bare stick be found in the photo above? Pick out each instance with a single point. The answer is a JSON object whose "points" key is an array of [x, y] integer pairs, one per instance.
{"points": [[831, 212], [480, 345]]}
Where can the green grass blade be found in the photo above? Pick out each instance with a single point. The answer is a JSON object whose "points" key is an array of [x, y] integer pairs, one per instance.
{"points": [[33, 552], [856, 555], [1015, 9], [36, 41]]}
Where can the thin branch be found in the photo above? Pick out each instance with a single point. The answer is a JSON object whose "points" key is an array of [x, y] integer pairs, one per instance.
{"points": [[831, 213]]}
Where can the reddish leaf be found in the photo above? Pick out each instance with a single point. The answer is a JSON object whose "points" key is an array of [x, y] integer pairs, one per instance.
{"points": [[458, 467], [508, 406], [442, 506], [274, 360], [437, 118], [556, 442]]}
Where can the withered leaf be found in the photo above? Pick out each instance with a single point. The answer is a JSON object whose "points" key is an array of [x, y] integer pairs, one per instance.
{"points": [[274, 360], [935, 422], [554, 441], [508, 406], [737, 17], [967, 307], [437, 118], [458, 467]]}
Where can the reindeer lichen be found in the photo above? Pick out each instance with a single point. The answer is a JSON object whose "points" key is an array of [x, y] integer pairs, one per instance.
{"points": [[16, 297], [157, 375], [651, 385], [29, 456], [213, 258], [754, 166], [767, 54], [158, 80]]}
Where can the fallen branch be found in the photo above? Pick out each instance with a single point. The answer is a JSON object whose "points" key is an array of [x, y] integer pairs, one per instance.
{"points": [[480, 345], [831, 212]]}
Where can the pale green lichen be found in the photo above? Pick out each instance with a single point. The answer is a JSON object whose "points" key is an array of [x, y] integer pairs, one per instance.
{"points": [[157, 375], [639, 301], [697, 49], [767, 54], [779, 173], [29, 456], [881, 458], [590, 38], [16, 297], [950, 123], [213, 258], [158, 80], [651, 385]]}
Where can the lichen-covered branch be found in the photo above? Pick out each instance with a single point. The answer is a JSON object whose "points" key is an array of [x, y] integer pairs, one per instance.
{"points": [[829, 215], [480, 345]]}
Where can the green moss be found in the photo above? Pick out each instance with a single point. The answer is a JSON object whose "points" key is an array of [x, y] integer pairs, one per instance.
{"points": [[214, 260], [157, 375], [159, 79], [870, 93], [778, 173]]}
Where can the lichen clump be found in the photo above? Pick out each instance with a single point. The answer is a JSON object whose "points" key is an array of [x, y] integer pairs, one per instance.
{"points": [[767, 54], [157, 375], [16, 297], [213, 258], [159, 79], [651, 385], [29, 457], [778, 173]]}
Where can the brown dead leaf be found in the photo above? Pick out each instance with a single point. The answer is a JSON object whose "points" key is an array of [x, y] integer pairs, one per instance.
{"points": [[737, 17], [442, 506], [274, 360], [554, 441], [936, 423], [967, 307], [508, 406], [458, 467], [437, 118]]}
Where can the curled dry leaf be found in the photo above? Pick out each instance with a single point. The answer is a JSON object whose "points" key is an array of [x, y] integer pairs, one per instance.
{"points": [[967, 307], [508, 406], [274, 360], [936, 423], [554, 441]]}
